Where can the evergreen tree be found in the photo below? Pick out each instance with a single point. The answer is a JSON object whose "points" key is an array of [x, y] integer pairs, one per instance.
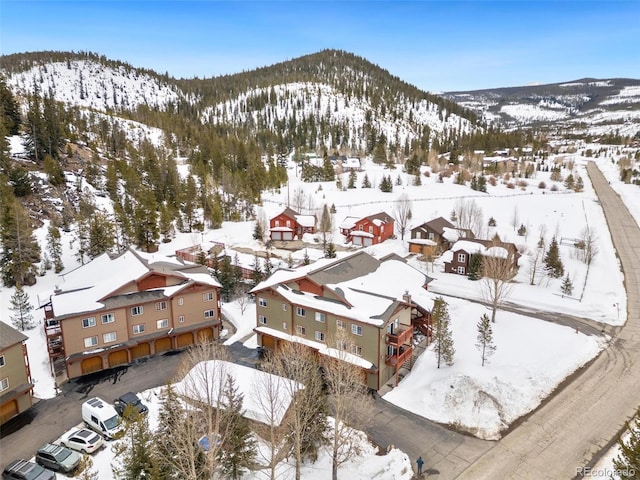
{"points": [[482, 184], [333, 208], [305, 258], [475, 267], [567, 286], [417, 180], [399, 180], [146, 220], [9, 110], [237, 448], [579, 186], [189, 201], [54, 171], [386, 185], [522, 230], [366, 183], [268, 266], [627, 463], [552, 261], [453, 217], [380, 154], [20, 250], [100, 235], [258, 234], [442, 336], [227, 278], [569, 182], [328, 172], [352, 179], [20, 305], [330, 251], [165, 224], [54, 245], [256, 275], [485, 338], [134, 450]]}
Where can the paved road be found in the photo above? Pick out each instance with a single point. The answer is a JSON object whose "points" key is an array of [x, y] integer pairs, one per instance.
{"points": [[570, 430], [48, 419]]}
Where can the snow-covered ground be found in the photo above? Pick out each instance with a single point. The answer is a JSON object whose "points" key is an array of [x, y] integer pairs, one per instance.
{"points": [[532, 355]]}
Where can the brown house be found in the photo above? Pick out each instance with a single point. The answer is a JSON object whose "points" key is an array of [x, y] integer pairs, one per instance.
{"points": [[369, 230], [351, 309], [437, 234], [458, 259], [289, 224], [16, 387], [113, 311]]}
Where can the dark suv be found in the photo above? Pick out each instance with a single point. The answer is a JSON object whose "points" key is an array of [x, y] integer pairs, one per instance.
{"points": [[132, 399], [58, 458], [23, 470]]}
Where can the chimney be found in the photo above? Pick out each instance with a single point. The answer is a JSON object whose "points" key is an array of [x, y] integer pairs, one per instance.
{"points": [[406, 297]]}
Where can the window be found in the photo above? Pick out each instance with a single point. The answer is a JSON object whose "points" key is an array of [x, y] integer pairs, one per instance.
{"points": [[207, 297], [285, 326], [431, 236], [341, 325], [109, 337], [360, 227], [138, 329], [277, 223], [262, 302], [164, 323], [320, 317], [284, 307], [462, 257], [356, 350], [209, 314], [461, 270], [418, 234], [288, 223], [356, 329], [181, 301], [320, 336], [301, 330], [88, 322], [370, 228], [161, 305], [1, 360], [4, 384], [262, 319], [136, 310], [181, 318], [108, 318], [300, 311], [90, 342]]}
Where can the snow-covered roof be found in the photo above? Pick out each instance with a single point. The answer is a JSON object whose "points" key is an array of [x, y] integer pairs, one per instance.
{"points": [[361, 233], [281, 229], [321, 347], [351, 162], [349, 222], [450, 234], [306, 220], [422, 241], [202, 384], [476, 247]]}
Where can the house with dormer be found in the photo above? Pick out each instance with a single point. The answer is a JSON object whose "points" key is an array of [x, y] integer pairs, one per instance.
{"points": [[347, 308], [369, 230], [436, 235], [458, 258], [113, 311], [289, 225]]}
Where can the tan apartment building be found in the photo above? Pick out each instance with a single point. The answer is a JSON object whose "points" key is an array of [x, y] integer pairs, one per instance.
{"points": [[16, 387], [113, 311], [358, 308]]}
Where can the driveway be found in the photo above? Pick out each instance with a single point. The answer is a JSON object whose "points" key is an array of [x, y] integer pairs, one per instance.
{"points": [[573, 428]]}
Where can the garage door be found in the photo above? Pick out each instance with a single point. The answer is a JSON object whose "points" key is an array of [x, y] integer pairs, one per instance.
{"points": [[287, 235], [268, 342], [205, 335], [163, 344], [185, 339], [357, 240], [90, 365], [118, 358], [276, 235], [8, 410], [142, 350], [368, 241]]}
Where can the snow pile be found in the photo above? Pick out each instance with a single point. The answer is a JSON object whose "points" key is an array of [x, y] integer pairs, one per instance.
{"points": [[532, 113]]}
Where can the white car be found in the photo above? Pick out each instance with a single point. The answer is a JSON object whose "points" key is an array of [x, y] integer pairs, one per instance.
{"points": [[82, 440]]}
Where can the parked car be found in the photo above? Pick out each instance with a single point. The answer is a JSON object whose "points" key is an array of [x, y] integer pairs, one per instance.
{"points": [[57, 458], [204, 443], [23, 470], [82, 440], [102, 417], [132, 399]]}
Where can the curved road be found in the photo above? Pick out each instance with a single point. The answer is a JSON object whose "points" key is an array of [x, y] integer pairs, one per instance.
{"points": [[563, 436]]}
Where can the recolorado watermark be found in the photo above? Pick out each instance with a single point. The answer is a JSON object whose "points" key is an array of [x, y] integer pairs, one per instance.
{"points": [[589, 472]]}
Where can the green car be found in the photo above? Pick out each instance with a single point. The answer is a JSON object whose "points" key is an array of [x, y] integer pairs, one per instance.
{"points": [[58, 458]]}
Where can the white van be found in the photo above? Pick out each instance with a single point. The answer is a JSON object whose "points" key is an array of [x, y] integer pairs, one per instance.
{"points": [[101, 417]]}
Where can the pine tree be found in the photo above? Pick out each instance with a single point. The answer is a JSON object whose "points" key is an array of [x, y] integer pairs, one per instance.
{"points": [[352, 179], [366, 183], [237, 448], [569, 182], [333, 208], [522, 230], [330, 251], [165, 224], [399, 180], [100, 235], [305, 258], [20, 305], [146, 220], [54, 245], [380, 153], [553, 264], [134, 450], [579, 186], [475, 267], [268, 266], [627, 463], [256, 274], [567, 286], [485, 338], [258, 234], [442, 336], [417, 180]]}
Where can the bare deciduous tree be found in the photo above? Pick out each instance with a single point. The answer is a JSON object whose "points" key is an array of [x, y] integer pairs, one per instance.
{"points": [[497, 273], [243, 302], [469, 215], [536, 267], [349, 402], [588, 245], [403, 214], [299, 199]]}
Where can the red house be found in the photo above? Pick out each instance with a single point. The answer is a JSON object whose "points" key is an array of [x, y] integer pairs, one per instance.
{"points": [[369, 230], [288, 224]]}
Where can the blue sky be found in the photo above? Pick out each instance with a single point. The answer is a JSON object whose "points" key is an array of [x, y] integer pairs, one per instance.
{"points": [[437, 46]]}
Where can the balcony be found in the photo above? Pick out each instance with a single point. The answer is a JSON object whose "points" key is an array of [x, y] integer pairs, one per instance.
{"points": [[400, 337], [403, 354]]}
